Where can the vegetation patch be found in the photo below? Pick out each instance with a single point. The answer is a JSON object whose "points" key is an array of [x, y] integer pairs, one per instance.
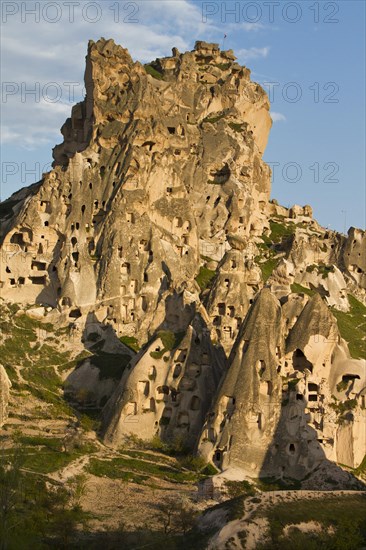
{"points": [[149, 456], [36, 514], [239, 488], [268, 267], [299, 289], [44, 377], [53, 443], [238, 127], [322, 269], [234, 507], [170, 340], [342, 520], [281, 231], [118, 468], [352, 326], [223, 66], [45, 455], [342, 408], [342, 385], [131, 342], [213, 120], [205, 277], [361, 469], [266, 484], [79, 359], [197, 464], [152, 71]]}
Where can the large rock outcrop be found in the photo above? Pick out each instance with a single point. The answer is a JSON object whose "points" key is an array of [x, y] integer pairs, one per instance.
{"points": [[169, 387], [248, 403], [5, 386], [292, 397], [153, 171], [155, 227]]}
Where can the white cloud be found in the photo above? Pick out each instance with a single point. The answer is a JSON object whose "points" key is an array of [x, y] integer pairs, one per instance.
{"points": [[56, 53], [277, 117], [252, 53], [251, 27], [32, 123]]}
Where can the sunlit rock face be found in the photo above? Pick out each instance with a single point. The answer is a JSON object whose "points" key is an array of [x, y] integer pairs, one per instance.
{"points": [[5, 386], [155, 224], [169, 387], [245, 415], [152, 173], [280, 408]]}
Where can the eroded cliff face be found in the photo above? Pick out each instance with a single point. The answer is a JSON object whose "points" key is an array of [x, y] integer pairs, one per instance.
{"points": [[152, 173], [155, 225], [279, 409], [5, 386]]}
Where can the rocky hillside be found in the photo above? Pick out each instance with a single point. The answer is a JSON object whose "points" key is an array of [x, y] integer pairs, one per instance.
{"points": [[164, 293]]}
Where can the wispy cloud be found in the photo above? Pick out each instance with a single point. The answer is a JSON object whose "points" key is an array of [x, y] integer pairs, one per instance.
{"points": [[243, 26], [251, 27], [54, 54], [277, 117], [246, 54]]}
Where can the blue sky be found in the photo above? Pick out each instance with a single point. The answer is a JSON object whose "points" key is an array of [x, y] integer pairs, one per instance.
{"points": [[309, 55]]}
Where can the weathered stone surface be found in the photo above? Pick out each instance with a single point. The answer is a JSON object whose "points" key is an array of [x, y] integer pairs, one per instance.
{"points": [[248, 403], [151, 174], [169, 387], [5, 386], [278, 412]]}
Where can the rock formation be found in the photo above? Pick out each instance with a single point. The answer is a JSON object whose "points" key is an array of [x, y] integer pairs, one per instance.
{"points": [[279, 410], [5, 386], [155, 226]]}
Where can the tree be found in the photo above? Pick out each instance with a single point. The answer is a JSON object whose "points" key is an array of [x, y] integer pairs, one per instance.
{"points": [[35, 512], [176, 515]]}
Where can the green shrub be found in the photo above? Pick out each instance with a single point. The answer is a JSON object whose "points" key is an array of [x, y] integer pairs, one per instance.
{"points": [[352, 326], [197, 464], [237, 126], [157, 354], [213, 120], [205, 277], [268, 267], [299, 289], [170, 340], [152, 71], [131, 342], [281, 231], [342, 385], [239, 488]]}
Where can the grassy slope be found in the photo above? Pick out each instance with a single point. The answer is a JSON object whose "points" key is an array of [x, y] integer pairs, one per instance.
{"points": [[345, 516], [352, 326], [205, 277]]}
